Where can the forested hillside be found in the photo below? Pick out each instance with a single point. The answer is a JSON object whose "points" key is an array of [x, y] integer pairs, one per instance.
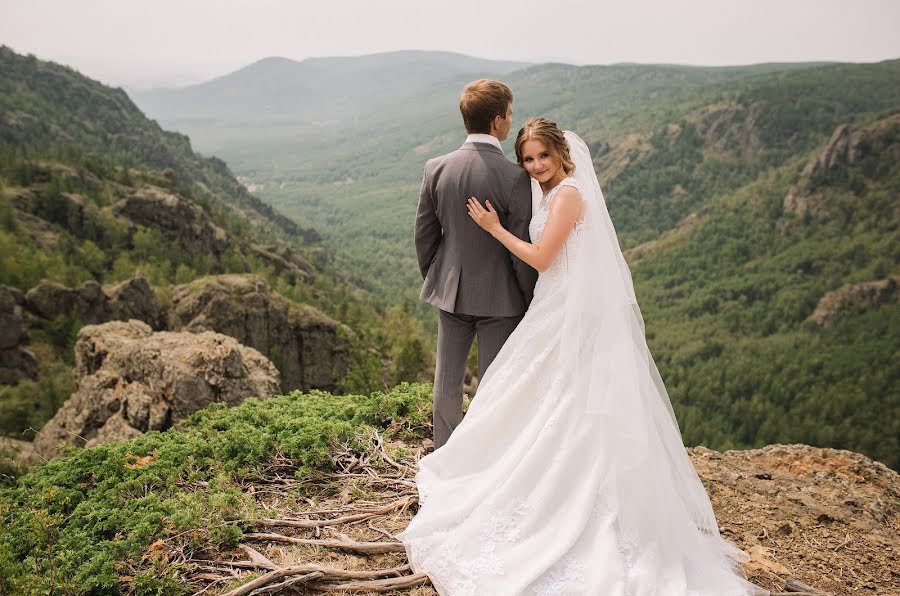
{"points": [[93, 191], [735, 237], [774, 312]]}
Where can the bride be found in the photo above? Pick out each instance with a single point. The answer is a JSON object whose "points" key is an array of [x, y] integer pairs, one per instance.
{"points": [[568, 474]]}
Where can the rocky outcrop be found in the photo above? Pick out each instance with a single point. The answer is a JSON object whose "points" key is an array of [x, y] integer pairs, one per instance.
{"points": [[847, 147], [283, 261], [93, 304], [621, 153], [857, 298], [305, 344], [827, 517], [16, 362], [135, 299], [729, 130], [177, 218], [131, 379]]}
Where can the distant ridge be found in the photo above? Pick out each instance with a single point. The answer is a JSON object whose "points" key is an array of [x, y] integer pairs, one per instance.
{"points": [[315, 88]]}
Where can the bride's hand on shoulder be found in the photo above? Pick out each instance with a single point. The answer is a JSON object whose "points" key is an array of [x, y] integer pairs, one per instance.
{"points": [[487, 219]]}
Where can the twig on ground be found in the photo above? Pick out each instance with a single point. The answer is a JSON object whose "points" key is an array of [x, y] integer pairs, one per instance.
{"points": [[381, 585], [367, 548], [300, 523], [257, 557]]}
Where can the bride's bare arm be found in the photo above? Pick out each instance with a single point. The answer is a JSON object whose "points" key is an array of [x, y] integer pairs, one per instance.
{"points": [[564, 212]]}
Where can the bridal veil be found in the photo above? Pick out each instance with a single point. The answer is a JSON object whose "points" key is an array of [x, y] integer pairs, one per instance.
{"points": [[654, 490]]}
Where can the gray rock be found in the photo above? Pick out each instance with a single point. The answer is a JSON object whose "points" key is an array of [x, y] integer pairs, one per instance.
{"points": [[131, 379], [12, 324], [135, 299], [16, 452], [177, 218], [16, 362], [305, 344], [93, 304]]}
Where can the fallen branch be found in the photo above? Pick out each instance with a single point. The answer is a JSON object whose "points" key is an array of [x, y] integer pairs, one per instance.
{"points": [[272, 576], [366, 548], [318, 523], [299, 579], [402, 468], [381, 585], [325, 573], [257, 557]]}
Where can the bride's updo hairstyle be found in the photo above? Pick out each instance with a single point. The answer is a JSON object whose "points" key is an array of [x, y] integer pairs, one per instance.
{"points": [[547, 132], [481, 101]]}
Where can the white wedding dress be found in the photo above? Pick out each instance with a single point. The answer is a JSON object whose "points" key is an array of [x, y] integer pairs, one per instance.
{"points": [[535, 491]]}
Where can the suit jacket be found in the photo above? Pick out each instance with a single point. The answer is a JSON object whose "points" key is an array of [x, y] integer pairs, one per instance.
{"points": [[467, 271]]}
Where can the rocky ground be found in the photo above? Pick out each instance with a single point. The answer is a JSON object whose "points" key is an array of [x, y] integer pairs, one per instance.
{"points": [[826, 518]]}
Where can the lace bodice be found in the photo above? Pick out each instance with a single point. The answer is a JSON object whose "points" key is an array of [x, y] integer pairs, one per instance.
{"points": [[540, 213]]}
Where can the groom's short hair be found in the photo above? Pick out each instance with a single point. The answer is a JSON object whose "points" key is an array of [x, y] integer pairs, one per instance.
{"points": [[480, 101]]}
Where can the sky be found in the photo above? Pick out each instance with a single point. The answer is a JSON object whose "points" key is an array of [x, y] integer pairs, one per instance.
{"points": [[141, 44]]}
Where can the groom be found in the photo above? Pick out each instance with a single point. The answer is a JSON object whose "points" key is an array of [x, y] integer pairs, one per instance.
{"points": [[479, 288]]}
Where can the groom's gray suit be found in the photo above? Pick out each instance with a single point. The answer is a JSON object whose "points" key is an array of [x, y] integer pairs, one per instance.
{"points": [[479, 286]]}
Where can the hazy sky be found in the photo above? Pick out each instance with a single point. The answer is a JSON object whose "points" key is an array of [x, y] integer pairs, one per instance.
{"points": [[144, 43]]}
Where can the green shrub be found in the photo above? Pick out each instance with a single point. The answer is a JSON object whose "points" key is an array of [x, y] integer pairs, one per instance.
{"points": [[87, 521]]}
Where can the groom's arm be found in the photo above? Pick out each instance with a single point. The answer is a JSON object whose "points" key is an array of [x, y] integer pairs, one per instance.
{"points": [[517, 223], [428, 230]]}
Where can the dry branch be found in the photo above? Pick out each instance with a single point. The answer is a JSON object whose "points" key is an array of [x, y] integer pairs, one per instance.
{"points": [[257, 557], [312, 572], [381, 585], [299, 579], [365, 548], [317, 523], [272, 576]]}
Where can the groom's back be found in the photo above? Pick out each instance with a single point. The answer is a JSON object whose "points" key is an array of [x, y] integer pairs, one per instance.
{"points": [[466, 270]]}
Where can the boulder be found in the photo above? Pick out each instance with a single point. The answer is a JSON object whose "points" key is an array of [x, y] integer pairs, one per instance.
{"points": [[93, 304], [131, 379], [135, 299], [49, 300], [16, 452], [16, 362], [177, 218], [12, 324], [304, 343], [16, 365]]}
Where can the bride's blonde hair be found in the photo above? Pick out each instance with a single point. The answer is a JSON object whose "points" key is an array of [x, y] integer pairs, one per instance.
{"points": [[547, 132]]}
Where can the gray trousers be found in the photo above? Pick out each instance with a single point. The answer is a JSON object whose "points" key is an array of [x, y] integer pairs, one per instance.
{"points": [[455, 335]]}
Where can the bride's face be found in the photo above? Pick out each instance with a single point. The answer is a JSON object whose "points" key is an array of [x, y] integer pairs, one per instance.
{"points": [[540, 163]]}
